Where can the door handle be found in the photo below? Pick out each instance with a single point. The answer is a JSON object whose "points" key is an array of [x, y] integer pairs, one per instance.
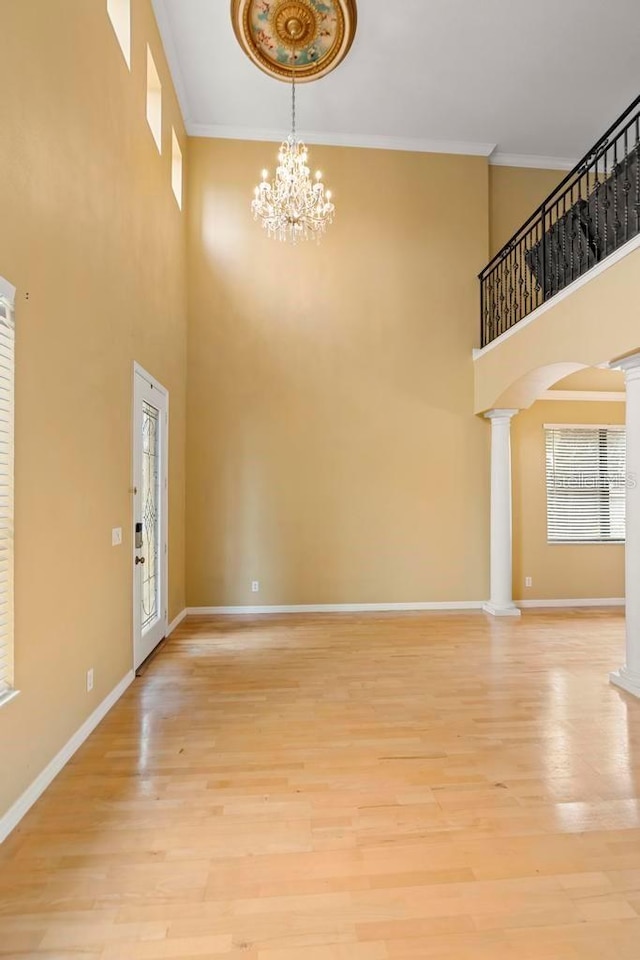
{"points": [[139, 560]]}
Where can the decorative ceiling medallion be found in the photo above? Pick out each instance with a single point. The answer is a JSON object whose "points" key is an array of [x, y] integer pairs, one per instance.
{"points": [[313, 36]]}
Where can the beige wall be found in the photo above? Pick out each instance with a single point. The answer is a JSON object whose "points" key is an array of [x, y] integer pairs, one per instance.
{"points": [[332, 450], [514, 193], [558, 571], [92, 235]]}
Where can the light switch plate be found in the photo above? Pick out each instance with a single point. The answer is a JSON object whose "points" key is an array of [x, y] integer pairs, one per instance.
{"points": [[116, 536]]}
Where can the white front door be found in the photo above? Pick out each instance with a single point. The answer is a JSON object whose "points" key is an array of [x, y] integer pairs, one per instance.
{"points": [[150, 498]]}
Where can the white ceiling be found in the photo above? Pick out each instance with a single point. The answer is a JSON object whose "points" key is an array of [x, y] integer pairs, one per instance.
{"points": [[538, 80]]}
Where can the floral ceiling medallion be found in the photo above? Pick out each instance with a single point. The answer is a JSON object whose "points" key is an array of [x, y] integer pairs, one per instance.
{"points": [[309, 36]]}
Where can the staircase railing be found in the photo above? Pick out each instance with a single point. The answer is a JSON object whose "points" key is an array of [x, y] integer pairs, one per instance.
{"points": [[593, 212]]}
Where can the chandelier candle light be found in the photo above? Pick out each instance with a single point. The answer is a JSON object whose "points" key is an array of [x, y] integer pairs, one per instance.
{"points": [[293, 207]]}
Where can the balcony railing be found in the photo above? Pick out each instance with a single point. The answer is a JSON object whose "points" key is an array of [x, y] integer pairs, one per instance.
{"points": [[595, 210]]}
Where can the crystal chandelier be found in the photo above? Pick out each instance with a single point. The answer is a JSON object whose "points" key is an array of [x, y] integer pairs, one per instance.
{"points": [[293, 207]]}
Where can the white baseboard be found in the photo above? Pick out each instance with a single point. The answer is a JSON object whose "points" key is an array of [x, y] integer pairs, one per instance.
{"points": [[581, 602], [627, 680], [176, 622], [14, 814], [335, 608], [460, 605]]}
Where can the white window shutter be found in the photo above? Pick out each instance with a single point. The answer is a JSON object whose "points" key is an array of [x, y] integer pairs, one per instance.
{"points": [[586, 482], [7, 358]]}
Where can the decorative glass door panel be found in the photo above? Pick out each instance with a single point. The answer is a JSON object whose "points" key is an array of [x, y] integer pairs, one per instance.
{"points": [[150, 432], [150, 594]]}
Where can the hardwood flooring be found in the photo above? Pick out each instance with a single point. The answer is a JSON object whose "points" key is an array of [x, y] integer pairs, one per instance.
{"points": [[441, 787]]}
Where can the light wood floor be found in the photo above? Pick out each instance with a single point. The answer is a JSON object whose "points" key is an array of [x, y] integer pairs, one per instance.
{"points": [[347, 788]]}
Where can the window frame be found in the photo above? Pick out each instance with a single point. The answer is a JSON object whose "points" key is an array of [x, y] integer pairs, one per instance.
{"points": [[8, 689], [604, 485]]}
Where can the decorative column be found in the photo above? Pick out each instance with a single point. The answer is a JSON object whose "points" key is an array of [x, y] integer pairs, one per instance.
{"points": [[628, 676], [501, 603]]}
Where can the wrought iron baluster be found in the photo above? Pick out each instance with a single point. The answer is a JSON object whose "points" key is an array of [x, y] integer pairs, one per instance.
{"points": [[520, 278], [605, 206], [626, 186], [616, 177], [637, 154], [564, 239]]}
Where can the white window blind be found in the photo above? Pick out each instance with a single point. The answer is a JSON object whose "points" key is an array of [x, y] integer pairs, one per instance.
{"points": [[7, 347], [586, 471]]}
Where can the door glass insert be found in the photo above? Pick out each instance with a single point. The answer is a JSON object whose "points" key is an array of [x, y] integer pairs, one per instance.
{"points": [[150, 593]]}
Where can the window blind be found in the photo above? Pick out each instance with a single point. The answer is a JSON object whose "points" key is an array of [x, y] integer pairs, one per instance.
{"points": [[7, 350], [586, 470]]}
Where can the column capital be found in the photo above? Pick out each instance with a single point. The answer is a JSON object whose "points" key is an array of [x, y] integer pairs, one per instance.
{"points": [[630, 365], [500, 414]]}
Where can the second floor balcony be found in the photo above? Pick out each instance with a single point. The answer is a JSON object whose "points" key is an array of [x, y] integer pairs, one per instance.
{"points": [[592, 213]]}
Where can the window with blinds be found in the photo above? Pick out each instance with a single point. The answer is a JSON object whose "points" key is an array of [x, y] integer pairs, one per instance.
{"points": [[586, 473], [7, 347]]}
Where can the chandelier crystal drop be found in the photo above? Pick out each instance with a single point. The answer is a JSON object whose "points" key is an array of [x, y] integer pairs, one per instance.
{"points": [[293, 207]]}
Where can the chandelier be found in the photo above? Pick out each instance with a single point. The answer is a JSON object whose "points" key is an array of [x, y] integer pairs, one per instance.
{"points": [[293, 207]]}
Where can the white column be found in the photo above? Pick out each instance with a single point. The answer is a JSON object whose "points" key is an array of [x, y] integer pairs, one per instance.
{"points": [[628, 676], [501, 603]]}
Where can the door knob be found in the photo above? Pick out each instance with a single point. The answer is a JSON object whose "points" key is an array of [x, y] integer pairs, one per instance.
{"points": [[139, 560]]}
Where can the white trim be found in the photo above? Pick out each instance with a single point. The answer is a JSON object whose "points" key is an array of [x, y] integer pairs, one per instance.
{"points": [[220, 131], [499, 159], [139, 373], [591, 274], [587, 396], [175, 623], [501, 413], [7, 291], [8, 696], [365, 141], [151, 380], [627, 680], [580, 602], [460, 605], [494, 611], [628, 363], [335, 608], [14, 814]]}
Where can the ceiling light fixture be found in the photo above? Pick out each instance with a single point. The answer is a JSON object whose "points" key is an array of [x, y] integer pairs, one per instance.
{"points": [[293, 207]]}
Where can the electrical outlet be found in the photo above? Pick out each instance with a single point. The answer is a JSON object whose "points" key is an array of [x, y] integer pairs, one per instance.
{"points": [[90, 680], [255, 586], [116, 536], [528, 582]]}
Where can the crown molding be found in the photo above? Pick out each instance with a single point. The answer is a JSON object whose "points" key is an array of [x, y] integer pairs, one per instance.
{"points": [[532, 162], [215, 131], [367, 142]]}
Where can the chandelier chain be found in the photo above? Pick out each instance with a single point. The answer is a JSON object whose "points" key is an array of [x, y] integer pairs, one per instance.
{"points": [[293, 98], [293, 207]]}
